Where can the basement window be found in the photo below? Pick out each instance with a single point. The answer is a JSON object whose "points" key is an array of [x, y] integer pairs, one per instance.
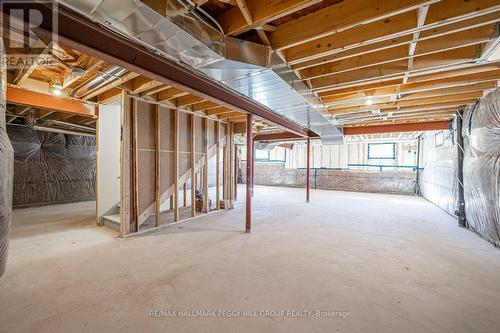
{"points": [[382, 151], [261, 155], [439, 139]]}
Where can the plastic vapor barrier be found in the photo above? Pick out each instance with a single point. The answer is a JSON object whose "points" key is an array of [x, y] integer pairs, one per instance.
{"points": [[51, 167], [482, 167], [6, 170], [275, 174], [438, 180]]}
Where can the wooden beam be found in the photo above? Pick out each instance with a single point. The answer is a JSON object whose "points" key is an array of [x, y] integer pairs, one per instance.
{"points": [[413, 127], [218, 111], [23, 74], [48, 102], [339, 17], [242, 5], [170, 93], [234, 22], [279, 136], [156, 90], [388, 90], [480, 87], [109, 96], [411, 102], [410, 120], [188, 100], [203, 106], [142, 83]]}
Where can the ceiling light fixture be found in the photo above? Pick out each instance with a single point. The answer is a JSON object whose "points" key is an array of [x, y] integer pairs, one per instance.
{"points": [[369, 101], [56, 90]]}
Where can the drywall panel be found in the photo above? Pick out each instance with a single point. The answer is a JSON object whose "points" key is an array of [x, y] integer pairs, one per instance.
{"points": [[108, 160]]}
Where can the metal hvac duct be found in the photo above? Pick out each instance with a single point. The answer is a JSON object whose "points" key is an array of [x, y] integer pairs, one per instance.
{"points": [[177, 32], [108, 75]]}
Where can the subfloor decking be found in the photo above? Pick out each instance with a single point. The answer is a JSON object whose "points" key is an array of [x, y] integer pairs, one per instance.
{"points": [[395, 263]]}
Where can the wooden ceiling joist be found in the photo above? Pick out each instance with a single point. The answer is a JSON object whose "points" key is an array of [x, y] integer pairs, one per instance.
{"points": [[479, 87], [234, 21], [369, 61], [389, 33], [423, 48], [433, 61], [337, 109], [339, 17]]}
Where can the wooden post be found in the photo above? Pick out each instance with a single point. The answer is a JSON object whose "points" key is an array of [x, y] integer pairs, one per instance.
{"points": [[193, 165], [157, 167], [176, 166], [230, 164], [217, 167], [248, 225], [125, 166], [308, 169], [205, 168], [135, 158]]}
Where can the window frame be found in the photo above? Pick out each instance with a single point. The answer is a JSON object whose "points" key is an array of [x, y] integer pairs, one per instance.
{"points": [[382, 158]]}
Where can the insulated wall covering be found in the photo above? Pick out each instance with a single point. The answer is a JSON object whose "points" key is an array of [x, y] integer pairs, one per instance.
{"points": [[482, 167], [6, 169], [276, 174], [51, 167], [438, 180]]}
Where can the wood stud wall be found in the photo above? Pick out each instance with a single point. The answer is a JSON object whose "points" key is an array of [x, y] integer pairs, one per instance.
{"points": [[159, 155]]}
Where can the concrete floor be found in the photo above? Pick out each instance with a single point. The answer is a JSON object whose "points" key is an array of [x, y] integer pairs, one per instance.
{"points": [[394, 263]]}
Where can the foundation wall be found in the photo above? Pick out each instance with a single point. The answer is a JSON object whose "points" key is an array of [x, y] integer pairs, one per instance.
{"points": [[275, 174]]}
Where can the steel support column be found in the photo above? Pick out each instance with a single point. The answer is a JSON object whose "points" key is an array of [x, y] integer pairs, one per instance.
{"points": [[249, 173], [253, 163], [308, 169], [236, 172], [417, 171], [460, 172]]}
